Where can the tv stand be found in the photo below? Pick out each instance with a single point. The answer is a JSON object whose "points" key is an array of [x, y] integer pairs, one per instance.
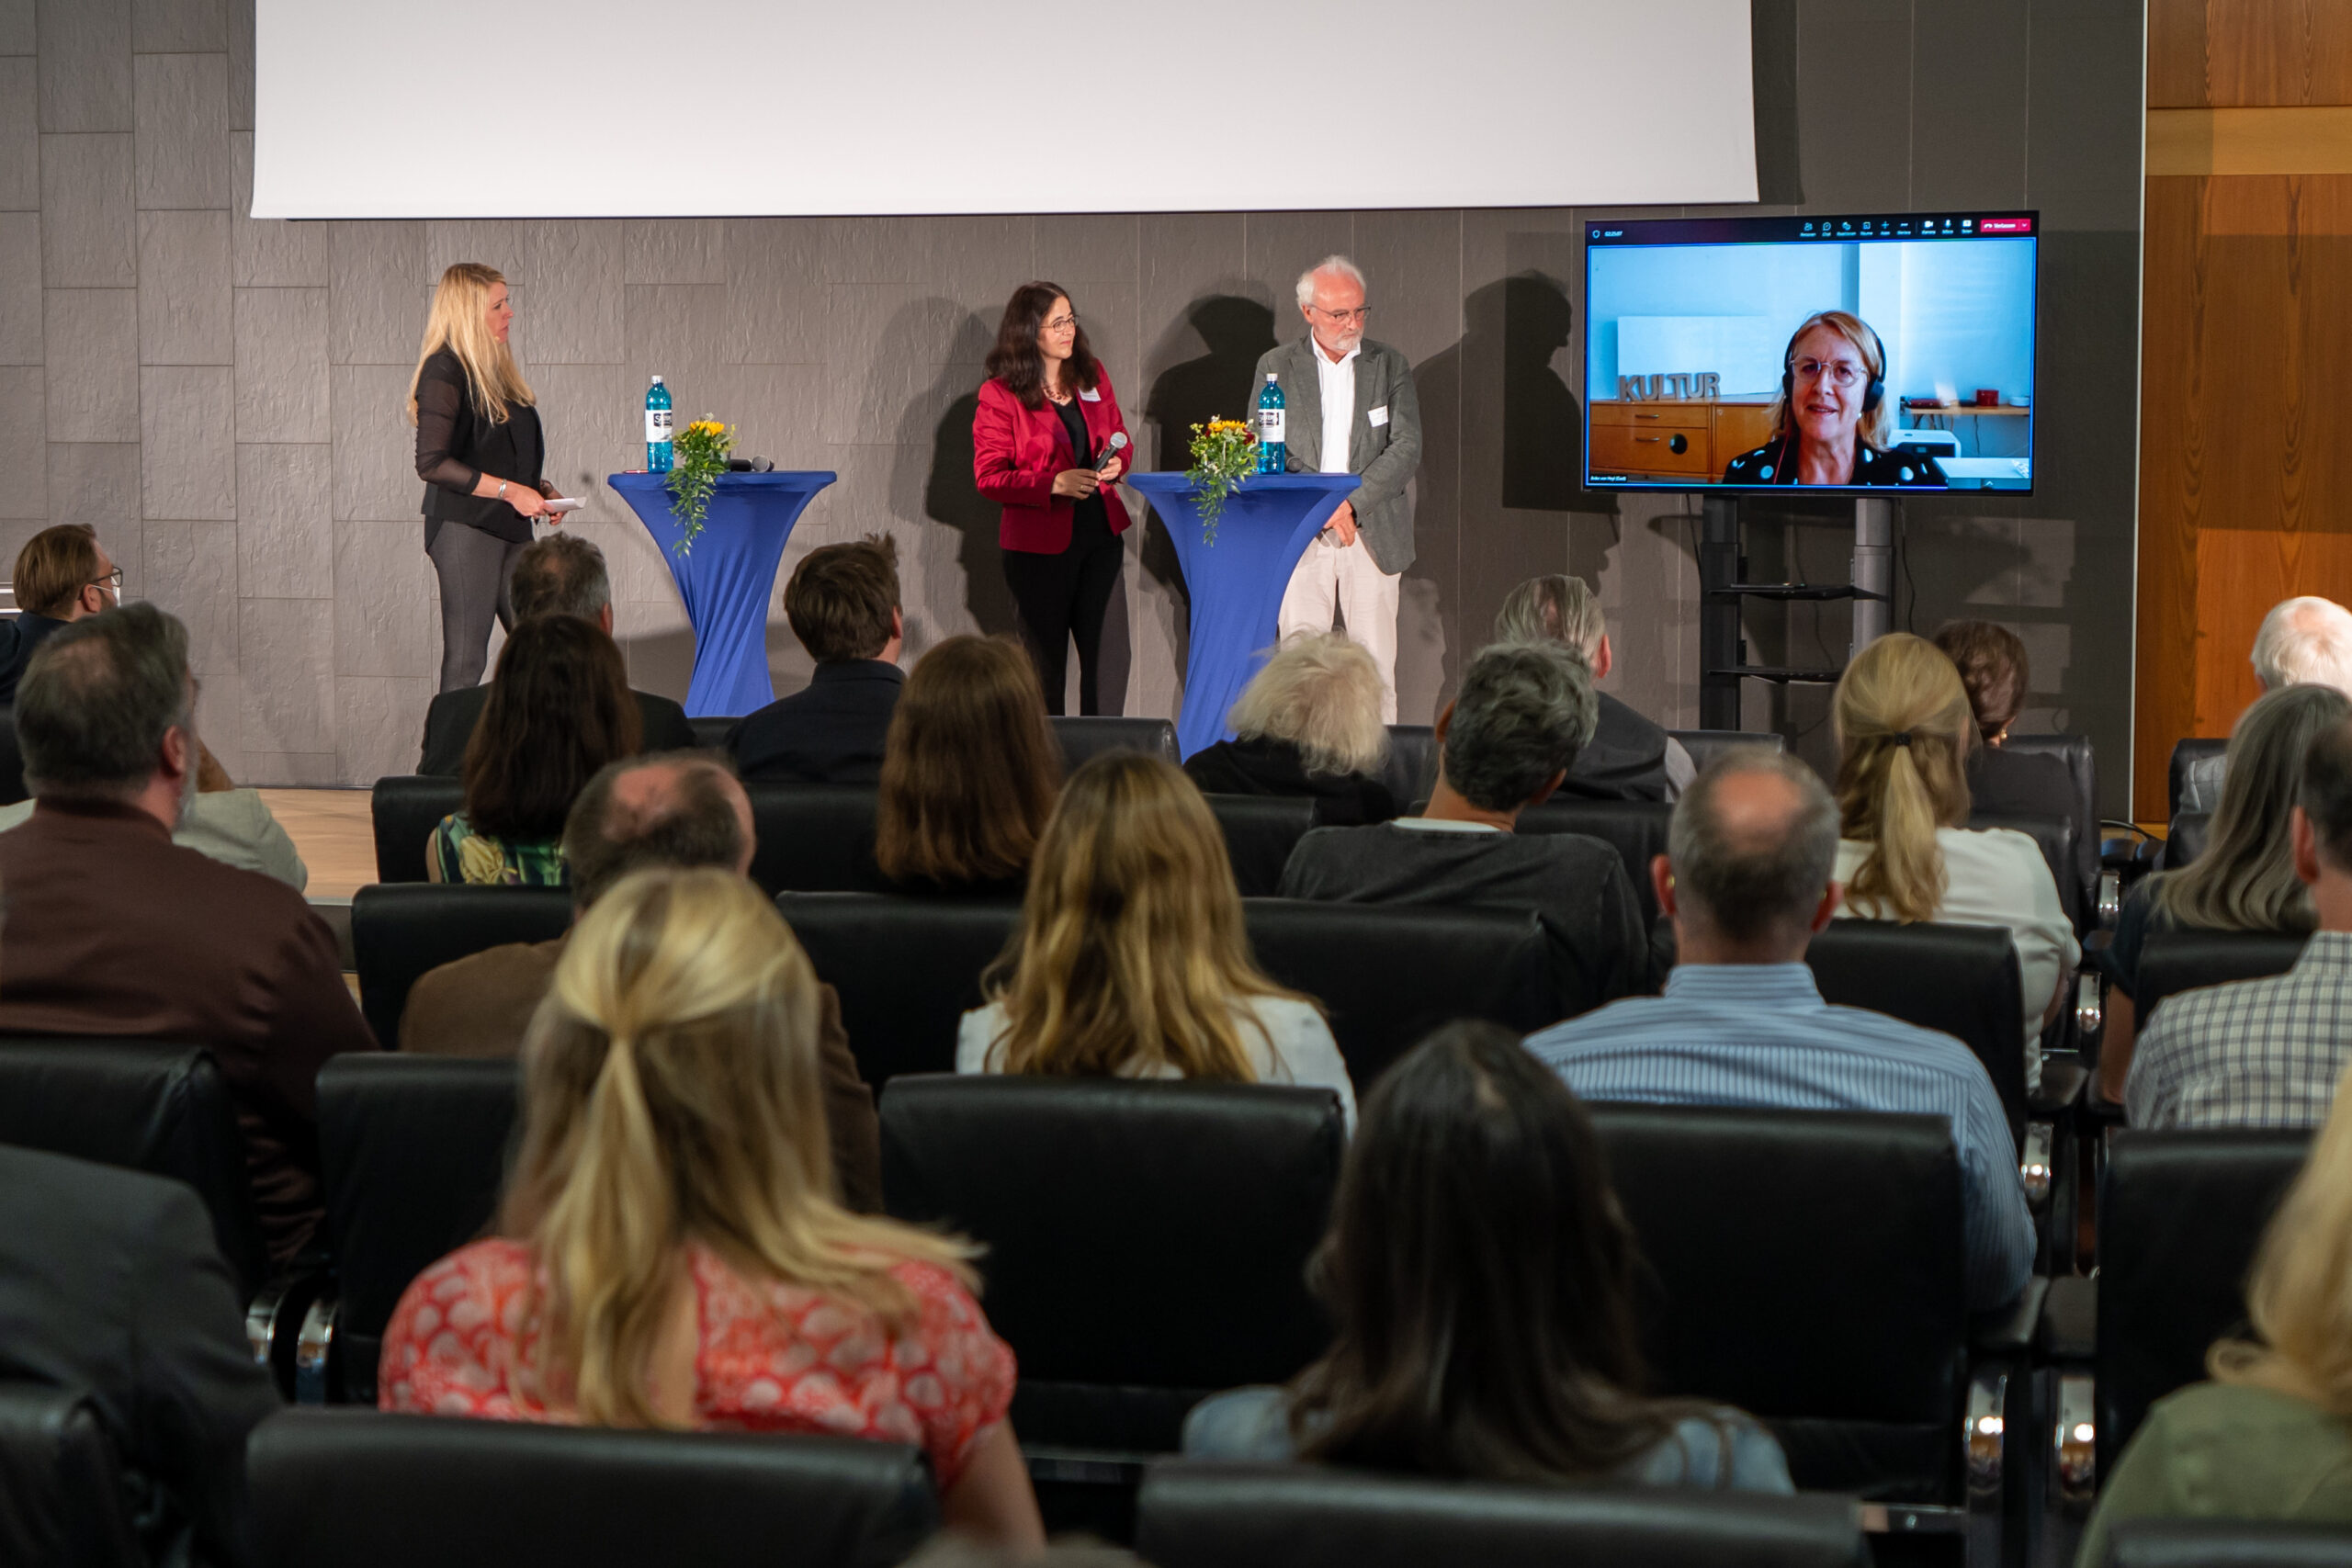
{"points": [[1723, 651]]}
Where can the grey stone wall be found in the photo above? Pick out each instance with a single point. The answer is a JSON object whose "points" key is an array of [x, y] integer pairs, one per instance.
{"points": [[221, 397]]}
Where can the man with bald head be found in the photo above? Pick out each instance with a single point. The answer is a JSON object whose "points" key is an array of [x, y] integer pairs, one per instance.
{"points": [[1348, 408], [675, 810], [1748, 880]]}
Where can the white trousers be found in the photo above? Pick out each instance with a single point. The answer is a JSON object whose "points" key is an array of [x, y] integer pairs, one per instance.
{"points": [[1346, 578]]}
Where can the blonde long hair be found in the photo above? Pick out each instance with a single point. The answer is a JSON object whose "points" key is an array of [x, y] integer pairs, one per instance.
{"points": [[671, 1094], [1904, 724], [2298, 1294], [1876, 428], [460, 323], [2246, 880], [1130, 953]]}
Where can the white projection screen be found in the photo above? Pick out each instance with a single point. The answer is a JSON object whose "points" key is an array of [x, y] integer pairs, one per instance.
{"points": [[581, 108]]}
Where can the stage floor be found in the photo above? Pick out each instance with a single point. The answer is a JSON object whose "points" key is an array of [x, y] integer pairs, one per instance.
{"points": [[334, 834]]}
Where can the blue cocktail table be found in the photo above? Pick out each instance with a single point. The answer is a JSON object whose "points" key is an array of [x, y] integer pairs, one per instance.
{"points": [[728, 576]]}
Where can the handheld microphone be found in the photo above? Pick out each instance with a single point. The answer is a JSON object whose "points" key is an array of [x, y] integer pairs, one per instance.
{"points": [[750, 466], [1117, 443]]}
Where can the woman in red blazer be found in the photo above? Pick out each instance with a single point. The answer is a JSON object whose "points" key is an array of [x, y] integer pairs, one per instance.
{"points": [[1042, 448]]}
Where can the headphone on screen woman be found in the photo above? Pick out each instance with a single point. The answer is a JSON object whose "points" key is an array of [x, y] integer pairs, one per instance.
{"points": [[1871, 395]]}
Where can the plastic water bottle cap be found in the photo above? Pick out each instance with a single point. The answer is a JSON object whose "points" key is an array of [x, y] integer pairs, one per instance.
{"points": [[657, 380], [1270, 376]]}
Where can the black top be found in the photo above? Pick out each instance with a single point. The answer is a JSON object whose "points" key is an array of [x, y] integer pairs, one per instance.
{"points": [[830, 731], [1775, 463], [1263, 765], [1625, 759], [1088, 511], [450, 721], [456, 445], [18, 637]]}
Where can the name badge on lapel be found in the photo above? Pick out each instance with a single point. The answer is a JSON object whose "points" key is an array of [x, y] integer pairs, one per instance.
{"points": [[1378, 416], [1094, 397]]}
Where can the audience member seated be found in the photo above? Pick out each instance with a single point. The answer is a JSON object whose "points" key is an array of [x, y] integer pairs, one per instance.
{"points": [[562, 574], [559, 710], [970, 775], [1504, 744], [1995, 674], [670, 1253], [1308, 723], [2270, 1437], [232, 826], [2305, 641], [2246, 880], [63, 574], [1903, 728], [1747, 881], [1481, 1278], [1131, 959], [1628, 757], [680, 810], [2268, 1053], [111, 1287], [842, 602], [115, 930]]}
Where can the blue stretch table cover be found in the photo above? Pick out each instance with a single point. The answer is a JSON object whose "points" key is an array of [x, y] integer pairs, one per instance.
{"points": [[1236, 583], [728, 577]]}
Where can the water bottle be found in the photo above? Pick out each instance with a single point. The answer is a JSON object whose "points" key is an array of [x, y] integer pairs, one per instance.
{"points": [[1271, 448], [657, 428]]}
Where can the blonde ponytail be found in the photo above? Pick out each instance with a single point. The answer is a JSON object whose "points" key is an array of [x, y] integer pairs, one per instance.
{"points": [[672, 1097], [1903, 724]]}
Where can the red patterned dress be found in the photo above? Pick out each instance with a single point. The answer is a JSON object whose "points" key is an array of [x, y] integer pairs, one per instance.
{"points": [[773, 1357]]}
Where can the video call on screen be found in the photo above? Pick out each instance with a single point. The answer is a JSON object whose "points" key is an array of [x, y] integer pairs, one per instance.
{"points": [[1693, 381]]}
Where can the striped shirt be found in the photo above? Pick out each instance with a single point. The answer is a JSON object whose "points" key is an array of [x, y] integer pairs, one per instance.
{"points": [[1759, 1035], [2254, 1054]]}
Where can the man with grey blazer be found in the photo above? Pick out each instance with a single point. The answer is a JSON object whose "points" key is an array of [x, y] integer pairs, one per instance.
{"points": [[1350, 409]]}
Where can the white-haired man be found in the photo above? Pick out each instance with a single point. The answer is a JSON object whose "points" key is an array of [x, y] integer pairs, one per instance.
{"points": [[1350, 409], [2304, 641]]}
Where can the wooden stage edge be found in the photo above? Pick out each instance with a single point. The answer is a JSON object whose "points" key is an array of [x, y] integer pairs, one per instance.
{"points": [[333, 832]]}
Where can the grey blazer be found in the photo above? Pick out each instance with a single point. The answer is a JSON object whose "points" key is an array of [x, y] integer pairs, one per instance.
{"points": [[1383, 455]]}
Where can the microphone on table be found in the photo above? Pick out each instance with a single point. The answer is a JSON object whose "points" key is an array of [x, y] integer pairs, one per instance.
{"points": [[1117, 443], [750, 466]]}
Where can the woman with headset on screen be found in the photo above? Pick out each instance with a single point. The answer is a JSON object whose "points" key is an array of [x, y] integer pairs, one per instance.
{"points": [[1831, 423]]}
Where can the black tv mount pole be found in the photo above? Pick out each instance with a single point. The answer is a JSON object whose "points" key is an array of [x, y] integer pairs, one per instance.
{"points": [[1723, 651]]}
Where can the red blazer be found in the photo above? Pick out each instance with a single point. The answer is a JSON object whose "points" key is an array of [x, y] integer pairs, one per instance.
{"points": [[1017, 451]]}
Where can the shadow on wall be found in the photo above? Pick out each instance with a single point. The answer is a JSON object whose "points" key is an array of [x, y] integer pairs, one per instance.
{"points": [[1542, 422]]}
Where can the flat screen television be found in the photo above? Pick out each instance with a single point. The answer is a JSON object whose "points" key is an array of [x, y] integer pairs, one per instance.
{"points": [[1847, 355]]}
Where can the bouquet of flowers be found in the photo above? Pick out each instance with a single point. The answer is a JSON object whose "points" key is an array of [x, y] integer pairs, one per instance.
{"points": [[1225, 452], [698, 458]]}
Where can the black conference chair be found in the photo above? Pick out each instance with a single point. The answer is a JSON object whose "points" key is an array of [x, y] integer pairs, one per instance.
{"points": [[1259, 831], [710, 730], [12, 762], [813, 838], [2082, 766], [1706, 745], [2174, 962], [1411, 769], [1235, 1515], [1147, 1241], [2186, 837], [406, 808], [2184, 753], [139, 1105], [1806, 1268], [413, 1151], [400, 930], [2056, 837], [356, 1489], [1082, 739], [1959, 979], [907, 969], [62, 1498], [2180, 1215], [1636, 828], [1388, 976], [2227, 1543]]}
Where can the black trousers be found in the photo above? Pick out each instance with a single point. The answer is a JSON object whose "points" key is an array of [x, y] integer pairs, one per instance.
{"points": [[1063, 598]]}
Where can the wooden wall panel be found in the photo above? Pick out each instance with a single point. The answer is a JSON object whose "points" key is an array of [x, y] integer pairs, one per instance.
{"points": [[2234, 53]]}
